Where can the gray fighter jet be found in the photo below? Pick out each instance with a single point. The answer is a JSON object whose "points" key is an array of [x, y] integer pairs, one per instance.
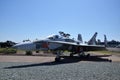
{"points": [[60, 43]]}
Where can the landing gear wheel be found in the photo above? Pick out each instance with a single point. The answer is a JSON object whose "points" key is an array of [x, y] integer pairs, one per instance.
{"points": [[88, 55], [71, 55], [57, 59], [28, 52], [110, 60], [37, 51]]}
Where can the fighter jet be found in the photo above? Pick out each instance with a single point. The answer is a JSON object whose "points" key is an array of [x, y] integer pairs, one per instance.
{"points": [[60, 43]]}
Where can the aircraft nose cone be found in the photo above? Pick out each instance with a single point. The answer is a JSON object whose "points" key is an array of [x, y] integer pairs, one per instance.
{"points": [[24, 46]]}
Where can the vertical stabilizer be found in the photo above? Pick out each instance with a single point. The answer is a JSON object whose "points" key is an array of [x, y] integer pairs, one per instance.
{"points": [[80, 38], [105, 41], [92, 41]]}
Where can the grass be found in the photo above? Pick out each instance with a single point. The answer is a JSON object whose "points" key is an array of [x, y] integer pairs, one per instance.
{"points": [[8, 50], [103, 52]]}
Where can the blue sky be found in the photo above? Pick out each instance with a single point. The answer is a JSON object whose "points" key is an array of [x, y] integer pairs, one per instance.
{"points": [[23, 19]]}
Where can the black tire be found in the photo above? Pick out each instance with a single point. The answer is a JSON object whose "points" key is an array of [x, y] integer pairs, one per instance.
{"points": [[88, 55], [110, 60], [71, 55], [57, 59], [28, 52], [37, 51]]}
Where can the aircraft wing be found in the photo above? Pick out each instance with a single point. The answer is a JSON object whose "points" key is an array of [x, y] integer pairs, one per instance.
{"points": [[83, 46], [62, 42], [92, 47]]}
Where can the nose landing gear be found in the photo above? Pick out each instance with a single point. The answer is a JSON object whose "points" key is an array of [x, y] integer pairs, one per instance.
{"points": [[57, 59], [28, 52]]}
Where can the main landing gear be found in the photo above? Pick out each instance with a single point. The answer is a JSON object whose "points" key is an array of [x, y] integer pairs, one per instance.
{"points": [[81, 55], [28, 52], [58, 58]]}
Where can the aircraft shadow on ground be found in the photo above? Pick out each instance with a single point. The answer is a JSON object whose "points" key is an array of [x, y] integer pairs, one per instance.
{"points": [[66, 60]]}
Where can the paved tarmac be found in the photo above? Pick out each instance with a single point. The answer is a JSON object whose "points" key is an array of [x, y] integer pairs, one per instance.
{"points": [[21, 67], [38, 58], [83, 70]]}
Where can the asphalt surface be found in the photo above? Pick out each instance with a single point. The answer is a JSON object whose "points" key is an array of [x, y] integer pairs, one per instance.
{"points": [[42, 67], [76, 70]]}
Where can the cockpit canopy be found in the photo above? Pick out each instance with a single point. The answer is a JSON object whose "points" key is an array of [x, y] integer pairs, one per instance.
{"points": [[53, 37], [57, 37]]}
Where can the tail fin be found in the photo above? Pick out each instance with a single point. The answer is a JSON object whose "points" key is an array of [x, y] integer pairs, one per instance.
{"points": [[105, 41], [80, 38], [92, 41]]}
